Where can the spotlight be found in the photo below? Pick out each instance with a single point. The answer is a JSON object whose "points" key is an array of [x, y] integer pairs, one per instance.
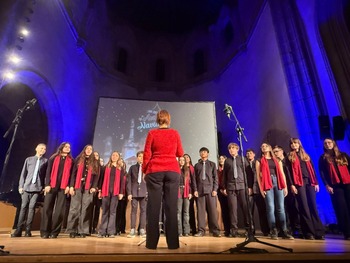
{"points": [[24, 32], [14, 59], [9, 75]]}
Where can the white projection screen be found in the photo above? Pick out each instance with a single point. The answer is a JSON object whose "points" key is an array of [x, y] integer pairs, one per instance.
{"points": [[122, 125]]}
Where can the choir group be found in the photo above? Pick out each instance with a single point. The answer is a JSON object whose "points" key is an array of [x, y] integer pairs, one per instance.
{"points": [[281, 186]]}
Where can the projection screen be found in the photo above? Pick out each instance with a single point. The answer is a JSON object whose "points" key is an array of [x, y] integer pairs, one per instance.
{"points": [[122, 125]]}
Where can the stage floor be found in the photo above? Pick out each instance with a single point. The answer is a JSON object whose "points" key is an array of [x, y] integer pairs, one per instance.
{"points": [[195, 249]]}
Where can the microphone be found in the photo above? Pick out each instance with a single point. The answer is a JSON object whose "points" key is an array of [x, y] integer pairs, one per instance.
{"points": [[31, 102], [227, 110]]}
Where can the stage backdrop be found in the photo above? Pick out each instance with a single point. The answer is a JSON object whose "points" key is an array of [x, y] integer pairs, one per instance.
{"points": [[122, 125]]}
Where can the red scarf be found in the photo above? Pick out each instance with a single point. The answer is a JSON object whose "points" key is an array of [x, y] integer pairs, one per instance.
{"points": [[187, 187], [80, 175], [105, 185], [266, 182], [344, 174], [66, 171], [298, 175], [123, 190]]}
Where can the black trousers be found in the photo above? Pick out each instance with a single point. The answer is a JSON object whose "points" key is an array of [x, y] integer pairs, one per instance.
{"points": [[341, 204], [259, 201], [224, 212], [135, 202], [109, 213], [121, 215], [95, 215], [53, 212], [206, 204], [160, 184], [309, 219], [80, 212]]}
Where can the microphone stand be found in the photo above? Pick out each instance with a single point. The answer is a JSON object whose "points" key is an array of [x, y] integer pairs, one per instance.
{"points": [[241, 247], [14, 125]]}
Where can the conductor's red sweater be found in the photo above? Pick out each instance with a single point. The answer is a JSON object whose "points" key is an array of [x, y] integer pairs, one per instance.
{"points": [[161, 149]]}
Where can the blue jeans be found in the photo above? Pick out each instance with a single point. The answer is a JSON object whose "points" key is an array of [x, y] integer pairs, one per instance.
{"points": [[183, 215], [274, 196]]}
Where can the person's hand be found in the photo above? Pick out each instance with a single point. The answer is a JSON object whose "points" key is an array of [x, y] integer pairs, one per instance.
{"points": [[294, 189], [285, 191], [214, 193], [92, 190], [250, 191], [224, 192], [66, 191], [189, 196], [196, 193], [263, 193], [317, 188], [21, 190], [99, 195], [129, 197], [47, 189], [71, 191], [329, 189], [120, 196]]}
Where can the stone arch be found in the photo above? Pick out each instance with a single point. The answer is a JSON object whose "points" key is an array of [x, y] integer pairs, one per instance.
{"points": [[47, 100]]}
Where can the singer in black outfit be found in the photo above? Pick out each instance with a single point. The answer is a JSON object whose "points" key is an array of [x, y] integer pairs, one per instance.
{"points": [[137, 191], [255, 198], [205, 185], [233, 182]]}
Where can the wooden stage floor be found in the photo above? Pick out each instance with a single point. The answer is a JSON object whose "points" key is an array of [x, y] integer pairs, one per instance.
{"points": [[194, 249]]}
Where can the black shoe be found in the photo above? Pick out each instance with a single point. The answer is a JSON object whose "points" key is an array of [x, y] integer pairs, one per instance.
{"points": [[16, 234], [45, 236], [199, 234], [234, 233], [273, 234], [82, 235], [309, 237], [216, 234], [53, 236], [286, 235], [100, 236], [28, 234], [72, 235], [320, 237]]}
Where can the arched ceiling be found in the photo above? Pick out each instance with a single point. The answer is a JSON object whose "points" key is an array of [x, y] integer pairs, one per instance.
{"points": [[218, 29], [166, 16]]}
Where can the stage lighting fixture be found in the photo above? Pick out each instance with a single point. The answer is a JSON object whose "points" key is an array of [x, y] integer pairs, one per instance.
{"points": [[24, 32], [9, 75], [14, 59]]}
